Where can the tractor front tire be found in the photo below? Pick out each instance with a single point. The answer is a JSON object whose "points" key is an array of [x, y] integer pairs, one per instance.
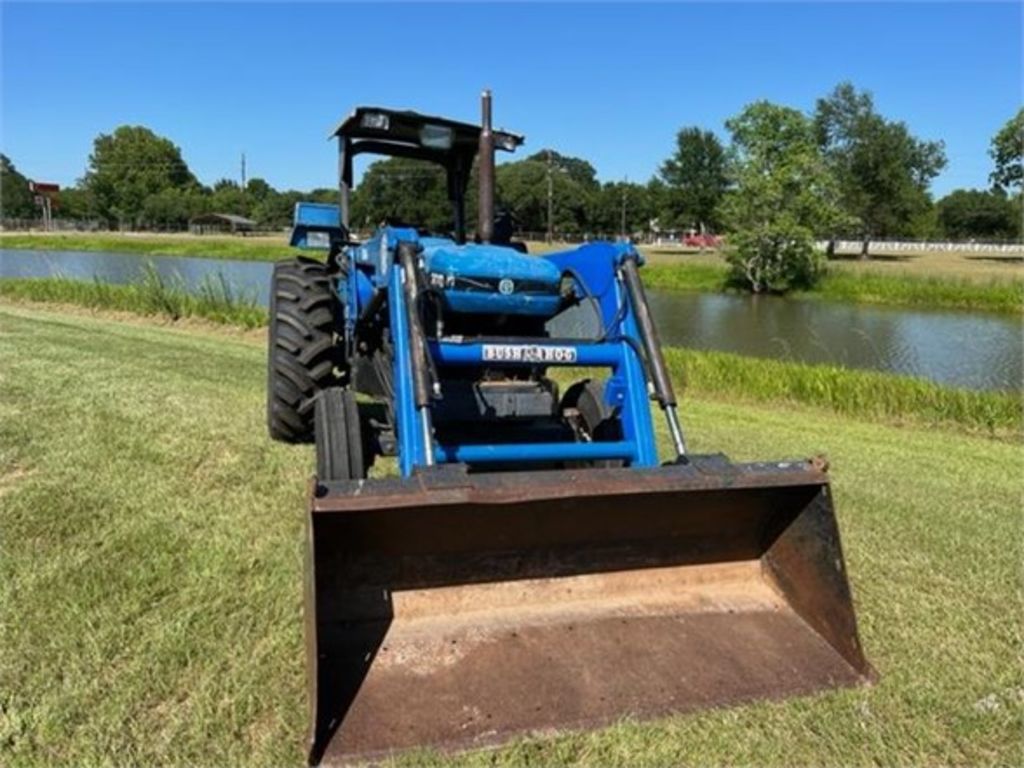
{"points": [[303, 356], [339, 445]]}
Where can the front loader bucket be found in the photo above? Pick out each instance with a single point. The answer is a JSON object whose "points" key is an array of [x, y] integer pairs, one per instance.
{"points": [[456, 610]]}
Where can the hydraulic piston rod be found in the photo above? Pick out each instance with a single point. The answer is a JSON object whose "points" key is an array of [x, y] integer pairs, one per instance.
{"points": [[663, 390]]}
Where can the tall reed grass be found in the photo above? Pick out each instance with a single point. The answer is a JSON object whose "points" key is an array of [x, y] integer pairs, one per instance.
{"points": [[862, 394], [153, 294], [996, 295]]}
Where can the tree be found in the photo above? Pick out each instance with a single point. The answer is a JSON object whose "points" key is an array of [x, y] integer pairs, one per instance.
{"points": [[76, 204], [1008, 154], [229, 197], [522, 189], [172, 208], [277, 210], [576, 168], [925, 224], [783, 194], [695, 177], [128, 166], [258, 189], [324, 195], [972, 213], [883, 171], [409, 191], [16, 202], [617, 200], [662, 210]]}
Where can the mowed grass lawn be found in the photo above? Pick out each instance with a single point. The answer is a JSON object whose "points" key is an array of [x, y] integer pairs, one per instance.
{"points": [[262, 247], [151, 572]]}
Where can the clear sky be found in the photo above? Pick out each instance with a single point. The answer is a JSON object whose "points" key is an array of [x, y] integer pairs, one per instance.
{"points": [[610, 83]]}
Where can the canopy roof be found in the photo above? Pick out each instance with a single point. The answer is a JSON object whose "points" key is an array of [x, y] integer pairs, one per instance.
{"points": [[412, 130]]}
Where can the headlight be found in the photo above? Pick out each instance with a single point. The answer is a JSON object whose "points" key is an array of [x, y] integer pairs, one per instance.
{"points": [[376, 120], [504, 141], [436, 136]]}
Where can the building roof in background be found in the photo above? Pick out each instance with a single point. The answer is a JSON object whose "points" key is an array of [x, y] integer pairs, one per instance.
{"points": [[223, 218]]}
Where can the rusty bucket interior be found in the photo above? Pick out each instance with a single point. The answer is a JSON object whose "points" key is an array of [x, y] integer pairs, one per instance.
{"points": [[456, 610]]}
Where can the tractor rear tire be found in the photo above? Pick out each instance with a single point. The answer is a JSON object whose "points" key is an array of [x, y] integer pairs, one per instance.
{"points": [[339, 444], [303, 357]]}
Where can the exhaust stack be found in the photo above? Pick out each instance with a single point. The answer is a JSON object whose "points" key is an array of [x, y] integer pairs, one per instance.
{"points": [[485, 210]]}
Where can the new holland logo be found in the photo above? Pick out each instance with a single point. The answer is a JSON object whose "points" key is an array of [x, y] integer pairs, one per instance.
{"points": [[506, 287]]}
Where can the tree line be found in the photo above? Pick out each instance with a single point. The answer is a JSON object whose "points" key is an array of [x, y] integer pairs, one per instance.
{"points": [[138, 180], [840, 171]]}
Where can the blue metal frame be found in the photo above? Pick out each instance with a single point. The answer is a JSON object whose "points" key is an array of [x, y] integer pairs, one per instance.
{"points": [[411, 440], [316, 226], [637, 447], [593, 267]]}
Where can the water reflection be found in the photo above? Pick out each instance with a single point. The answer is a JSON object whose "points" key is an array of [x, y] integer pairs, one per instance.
{"points": [[976, 350]]}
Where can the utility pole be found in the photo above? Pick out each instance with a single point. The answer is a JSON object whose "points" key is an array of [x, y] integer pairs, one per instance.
{"points": [[243, 171], [622, 226], [551, 200]]}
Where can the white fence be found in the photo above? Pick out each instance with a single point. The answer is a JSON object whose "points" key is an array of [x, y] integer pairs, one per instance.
{"points": [[910, 246]]}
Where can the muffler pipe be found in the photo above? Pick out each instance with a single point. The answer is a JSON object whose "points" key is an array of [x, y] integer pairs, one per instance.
{"points": [[663, 391], [485, 161]]}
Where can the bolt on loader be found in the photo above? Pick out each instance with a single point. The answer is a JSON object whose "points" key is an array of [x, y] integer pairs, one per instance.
{"points": [[535, 563]]}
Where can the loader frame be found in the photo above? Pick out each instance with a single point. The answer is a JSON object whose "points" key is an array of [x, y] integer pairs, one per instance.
{"points": [[626, 390]]}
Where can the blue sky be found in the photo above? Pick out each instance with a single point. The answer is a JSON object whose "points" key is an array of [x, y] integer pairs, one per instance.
{"points": [[611, 83]]}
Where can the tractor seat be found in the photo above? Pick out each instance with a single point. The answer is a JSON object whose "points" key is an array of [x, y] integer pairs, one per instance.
{"points": [[492, 279]]}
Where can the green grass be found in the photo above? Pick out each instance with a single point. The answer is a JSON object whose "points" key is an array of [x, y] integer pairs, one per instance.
{"points": [[153, 295], [258, 248], [151, 573], [1001, 294], [685, 276], [995, 295], [863, 394]]}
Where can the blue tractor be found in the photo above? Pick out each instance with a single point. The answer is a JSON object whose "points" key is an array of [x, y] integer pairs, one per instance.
{"points": [[533, 562]]}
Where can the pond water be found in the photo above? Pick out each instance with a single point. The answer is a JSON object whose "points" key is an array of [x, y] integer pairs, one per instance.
{"points": [[965, 349], [976, 350]]}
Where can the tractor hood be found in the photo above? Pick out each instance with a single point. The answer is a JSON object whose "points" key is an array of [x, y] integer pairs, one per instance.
{"points": [[479, 278]]}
